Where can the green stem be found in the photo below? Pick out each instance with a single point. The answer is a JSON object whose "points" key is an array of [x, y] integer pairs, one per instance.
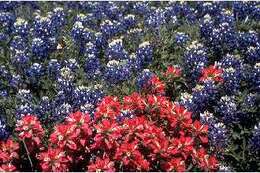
{"points": [[28, 154]]}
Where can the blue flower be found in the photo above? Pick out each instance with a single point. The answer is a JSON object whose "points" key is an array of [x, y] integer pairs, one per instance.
{"points": [[116, 51], [143, 78], [92, 67], [228, 109], [217, 132], [21, 27], [4, 133], [117, 71], [255, 139], [195, 59]]}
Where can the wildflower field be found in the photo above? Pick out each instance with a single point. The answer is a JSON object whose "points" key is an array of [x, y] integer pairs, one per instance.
{"points": [[129, 86]]}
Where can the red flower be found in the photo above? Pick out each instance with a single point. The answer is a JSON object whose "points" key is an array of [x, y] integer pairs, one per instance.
{"points": [[29, 129], [108, 108], [54, 160], [64, 136], [175, 165], [82, 127], [107, 134], [173, 71], [130, 156], [156, 86], [101, 164], [134, 102], [182, 146], [183, 117], [8, 152], [212, 73], [204, 160], [9, 167], [200, 131]]}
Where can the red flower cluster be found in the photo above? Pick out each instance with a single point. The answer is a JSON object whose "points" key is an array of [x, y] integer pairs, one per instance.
{"points": [[30, 131], [159, 135], [212, 73], [68, 143], [8, 153], [154, 86], [173, 72]]}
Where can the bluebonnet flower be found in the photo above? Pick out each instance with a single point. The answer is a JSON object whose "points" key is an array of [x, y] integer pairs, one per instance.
{"points": [[247, 39], [217, 132], [4, 73], [60, 98], [155, 18], [181, 38], [227, 109], [143, 78], [255, 139], [243, 10], [206, 26], [129, 21], [72, 64], [15, 81], [92, 67], [18, 43], [143, 55], [65, 81], [4, 133], [231, 61], [20, 59], [112, 11], [252, 54], [195, 59], [249, 100], [77, 31], [3, 37], [203, 96], [24, 109], [90, 49], [232, 79], [211, 8], [35, 72], [88, 108], [8, 5], [108, 28], [225, 168], [100, 40], [88, 20], [125, 114], [42, 27], [226, 16], [44, 108], [24, 96], [186, 101], [141, 8], [21, 27], [232, 73], [83, 96], [116, 51], [189, 13], [256, 77], [117, 71], [61, 112], [40, 47], [53, 68], [58, 18], [6, 21], [4, 93]]}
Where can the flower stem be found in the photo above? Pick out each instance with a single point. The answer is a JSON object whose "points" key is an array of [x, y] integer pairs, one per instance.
{"points": [[28, 154]]}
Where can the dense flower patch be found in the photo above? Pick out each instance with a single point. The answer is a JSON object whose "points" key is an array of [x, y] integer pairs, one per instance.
{"points": [[129, 86], [143, 133]]}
